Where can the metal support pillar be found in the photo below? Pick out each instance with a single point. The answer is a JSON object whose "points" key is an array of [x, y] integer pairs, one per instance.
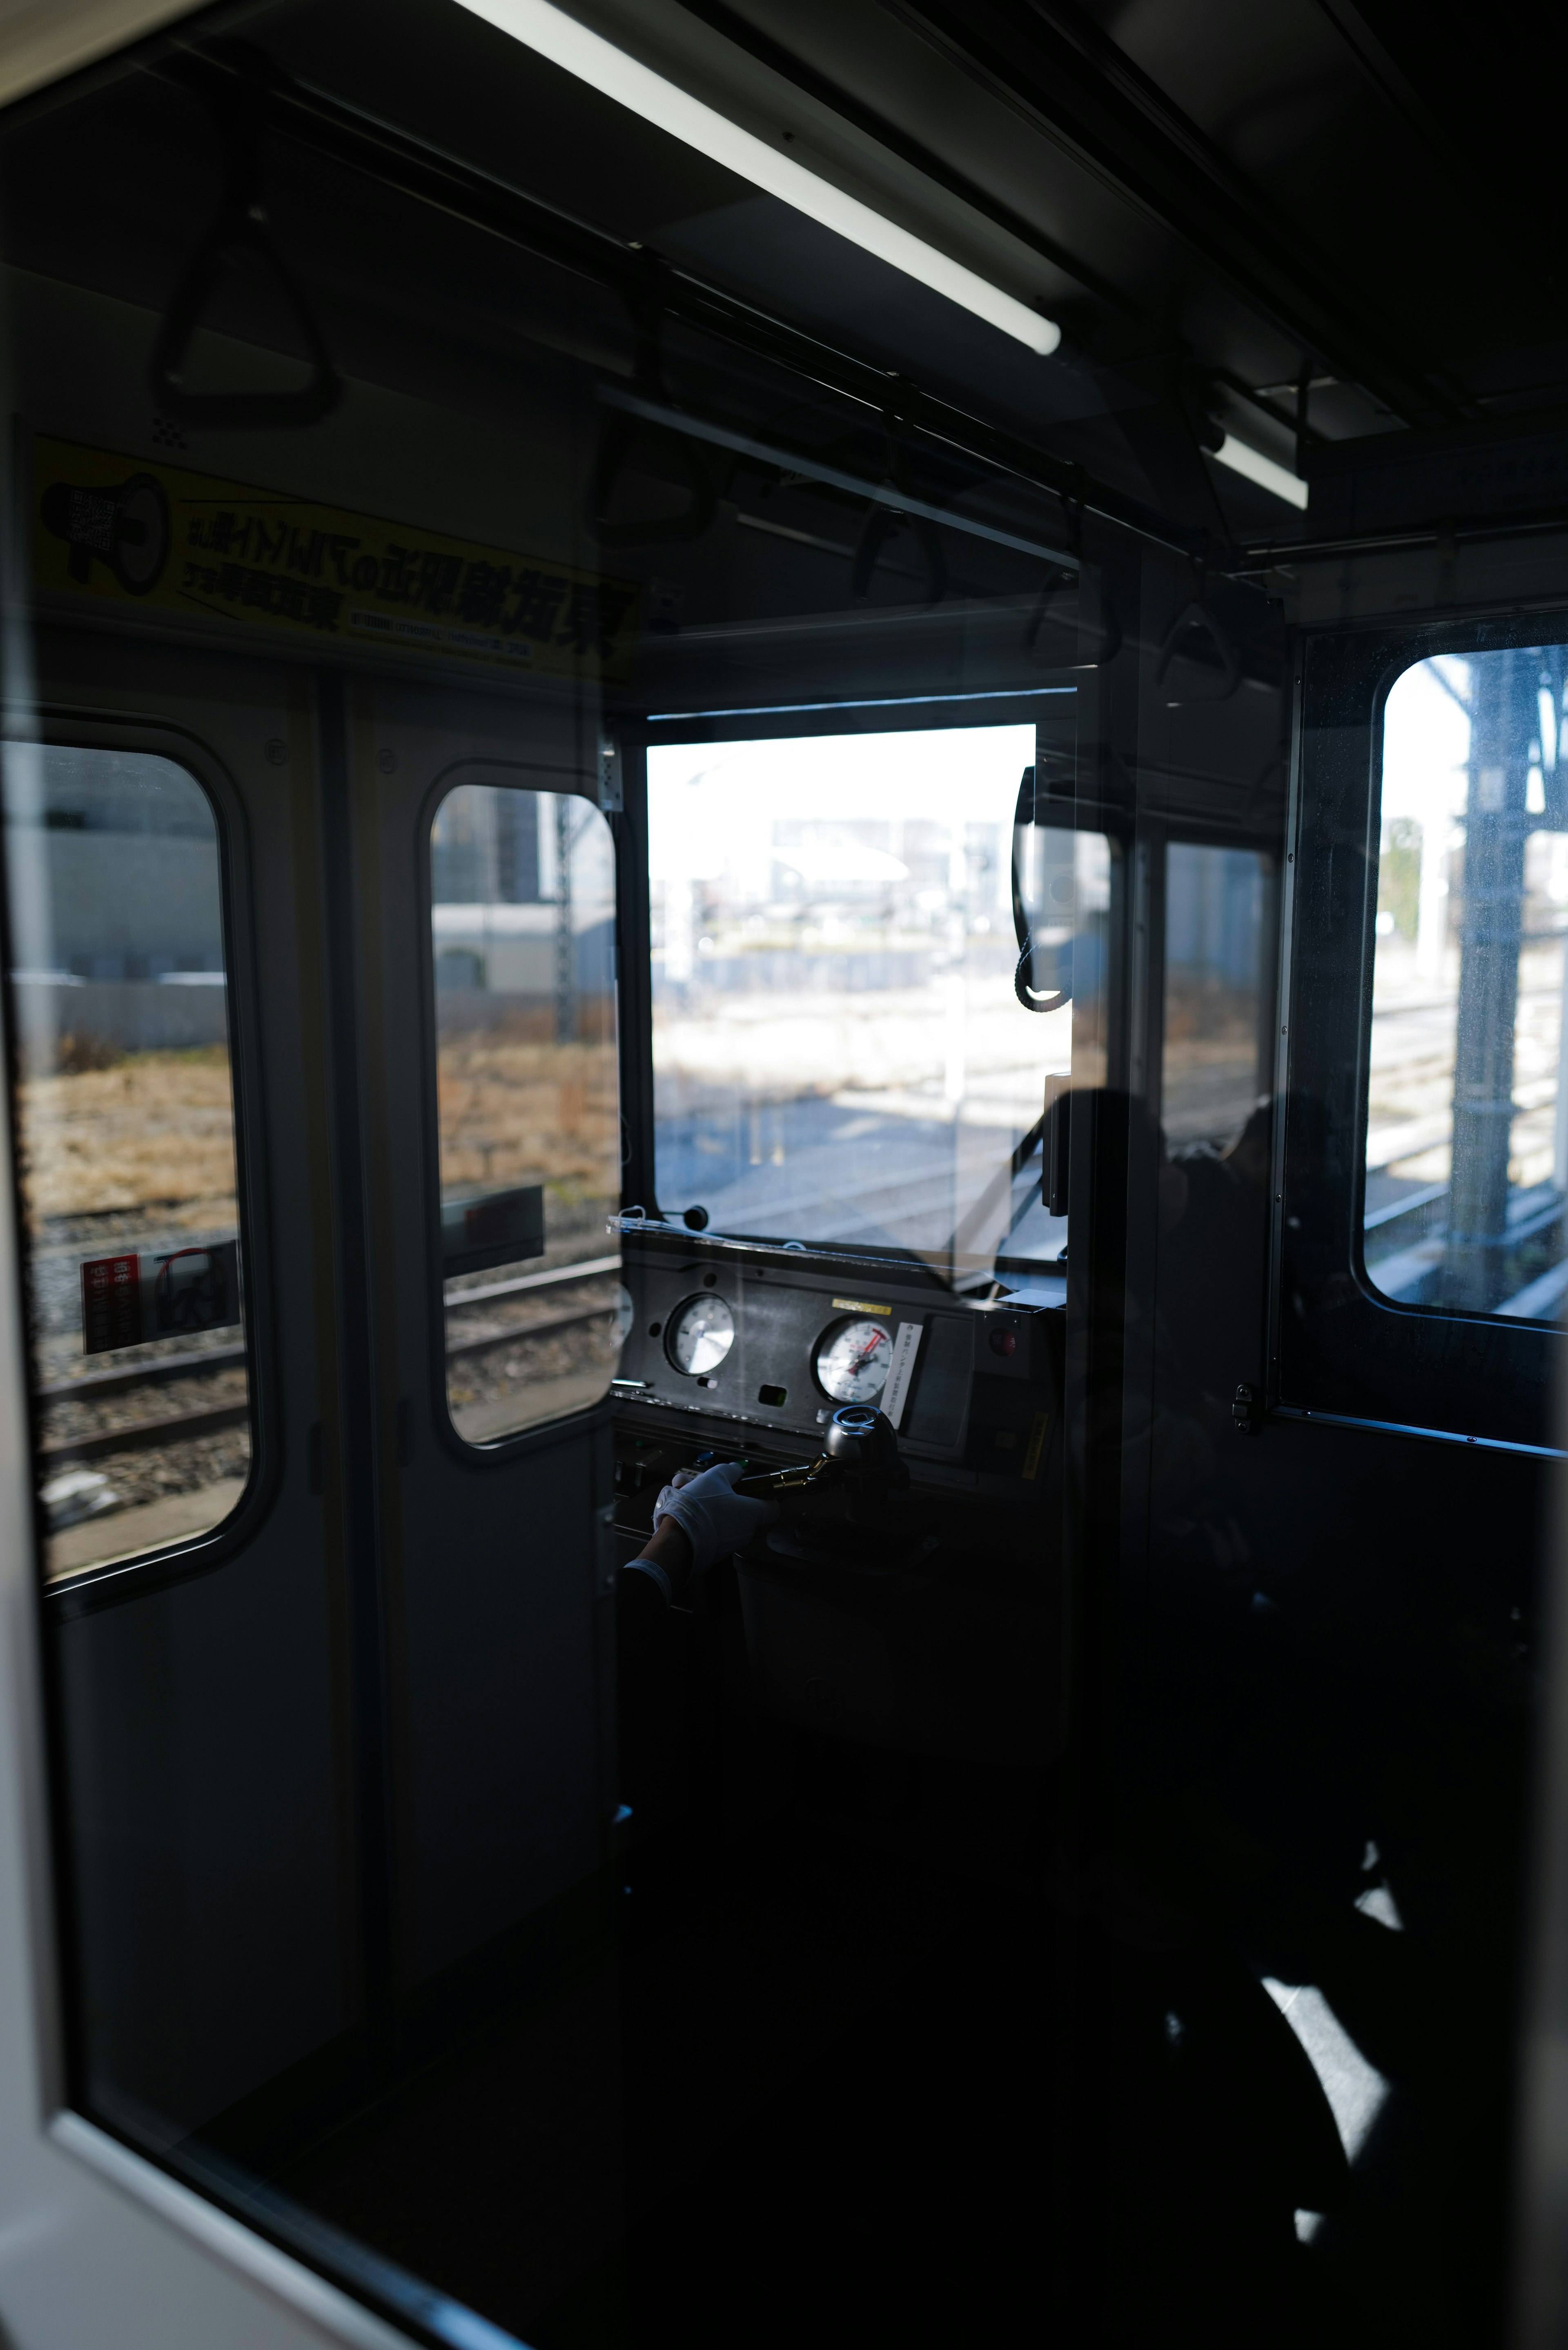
{"points": [[566, 956], [1503, 724]]}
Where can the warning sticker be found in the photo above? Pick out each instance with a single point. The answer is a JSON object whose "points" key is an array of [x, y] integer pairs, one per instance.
{"points": [[901, 1370], [174, 1294], [122, 529]]}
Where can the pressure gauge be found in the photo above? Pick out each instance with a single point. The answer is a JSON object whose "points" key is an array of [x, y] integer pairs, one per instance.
{"points": [[700, 1333], [853, 1361]]}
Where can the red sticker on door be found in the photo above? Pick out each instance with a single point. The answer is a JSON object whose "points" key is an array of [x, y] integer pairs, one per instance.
{"points": [[177, 1293]]}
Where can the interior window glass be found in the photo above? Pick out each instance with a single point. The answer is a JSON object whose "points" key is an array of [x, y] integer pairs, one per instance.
{"points": [[523, 935], [126, 1133], [840, 1054], [1467, 1136], [1217, 1061]]}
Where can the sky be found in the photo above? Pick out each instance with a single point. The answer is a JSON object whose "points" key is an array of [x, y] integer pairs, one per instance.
{"points": [[711, 807], [1426, 744]]}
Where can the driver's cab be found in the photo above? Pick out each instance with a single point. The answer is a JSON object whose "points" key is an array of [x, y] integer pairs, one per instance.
{"points": [[649, 823]]}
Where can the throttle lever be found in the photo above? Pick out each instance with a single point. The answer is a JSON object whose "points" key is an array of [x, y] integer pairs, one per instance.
{"points": [[769, 1485], [864, 1443], [862, 1454]]}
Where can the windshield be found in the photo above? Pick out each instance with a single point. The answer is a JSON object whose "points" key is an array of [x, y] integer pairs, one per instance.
{"points": [[840, 1054]]}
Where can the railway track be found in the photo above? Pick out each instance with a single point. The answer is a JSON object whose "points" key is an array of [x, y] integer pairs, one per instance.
{"points": [[185, 1427]]}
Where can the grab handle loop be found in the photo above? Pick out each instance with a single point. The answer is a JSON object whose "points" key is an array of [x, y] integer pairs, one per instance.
{"points": [[644, 298], [1032, 998], [239, 228]]}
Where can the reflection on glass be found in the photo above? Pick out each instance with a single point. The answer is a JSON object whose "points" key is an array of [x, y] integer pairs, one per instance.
{"points": [[841, 1056], [523, 935], [1467, 1136], [1217, 1061], [126, 1133]]}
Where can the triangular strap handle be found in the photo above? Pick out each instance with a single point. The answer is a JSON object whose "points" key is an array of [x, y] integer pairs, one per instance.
{"points": [[1196, 619], [618, 441], [236, 230], [882, 523], [645, 293]]}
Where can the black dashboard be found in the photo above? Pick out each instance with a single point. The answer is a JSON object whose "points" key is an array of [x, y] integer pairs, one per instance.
{"points": [[934, 1629], [773, 1338]]}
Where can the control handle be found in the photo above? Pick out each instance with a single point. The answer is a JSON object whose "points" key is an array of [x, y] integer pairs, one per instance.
{"points": [[861, 1456]]}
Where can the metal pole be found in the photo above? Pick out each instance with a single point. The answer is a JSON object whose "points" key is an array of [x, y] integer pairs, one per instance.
{"points": [[565, 973], [1503, 721]]}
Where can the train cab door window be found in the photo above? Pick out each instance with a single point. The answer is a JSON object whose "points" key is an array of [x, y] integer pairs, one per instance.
{"points": [[841, 1057], [1220, 922], [1218, 1056], [127, 1154], [1420, 1251], [1467, 1125], [523, 946]]}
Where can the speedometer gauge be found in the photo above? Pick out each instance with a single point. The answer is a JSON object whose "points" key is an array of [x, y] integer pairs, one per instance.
{"points": [[701, 1333], [853, 1362]]}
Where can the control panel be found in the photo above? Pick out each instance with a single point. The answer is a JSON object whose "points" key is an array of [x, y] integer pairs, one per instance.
{"points": [[907, 1594], [777, 1341]]}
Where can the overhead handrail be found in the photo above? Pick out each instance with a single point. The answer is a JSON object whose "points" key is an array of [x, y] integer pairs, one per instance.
{"points": [[882, 521], [810, 467], [393, 157]]}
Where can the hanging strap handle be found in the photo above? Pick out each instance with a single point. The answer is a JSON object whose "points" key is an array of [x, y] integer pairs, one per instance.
{"points": [[240, 227], [1032, 998]]}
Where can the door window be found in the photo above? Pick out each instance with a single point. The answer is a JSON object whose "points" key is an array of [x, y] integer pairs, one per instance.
{"points": [[528, 1112], [1467, 1130], [125, 1120], [1219, 930]]}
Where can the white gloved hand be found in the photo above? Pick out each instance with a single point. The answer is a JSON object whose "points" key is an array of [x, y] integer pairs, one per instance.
{"points": [[713, 1517]]}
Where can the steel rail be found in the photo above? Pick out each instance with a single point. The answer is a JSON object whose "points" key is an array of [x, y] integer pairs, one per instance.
{"points": [[142, 1435], [91, 1385], [527, 1330], [183, 1426], [227, 1358], [589, 1269]]}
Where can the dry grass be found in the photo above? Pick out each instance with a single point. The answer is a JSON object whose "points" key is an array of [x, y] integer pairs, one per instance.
{"points": [[157, 1128], [513, 1110], [154, 1128]]}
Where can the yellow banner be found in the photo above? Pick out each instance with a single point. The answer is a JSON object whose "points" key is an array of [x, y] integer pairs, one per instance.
{"points": [[116, 527]]}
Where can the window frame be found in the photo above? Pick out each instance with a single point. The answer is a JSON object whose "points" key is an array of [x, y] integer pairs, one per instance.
{"points": [[93, 1589], [1359, 1356], [532, 776]]}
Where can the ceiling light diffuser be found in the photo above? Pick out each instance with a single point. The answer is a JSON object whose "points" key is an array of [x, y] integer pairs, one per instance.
{"points": [[1263, 471], [552, 34]]}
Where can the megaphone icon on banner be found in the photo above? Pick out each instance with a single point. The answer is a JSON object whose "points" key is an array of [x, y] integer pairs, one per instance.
{"points": [[128, 528]]}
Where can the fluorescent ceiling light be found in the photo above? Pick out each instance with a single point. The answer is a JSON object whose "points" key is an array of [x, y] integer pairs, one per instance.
{"points": [[1262, 470], [610, 71]]}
